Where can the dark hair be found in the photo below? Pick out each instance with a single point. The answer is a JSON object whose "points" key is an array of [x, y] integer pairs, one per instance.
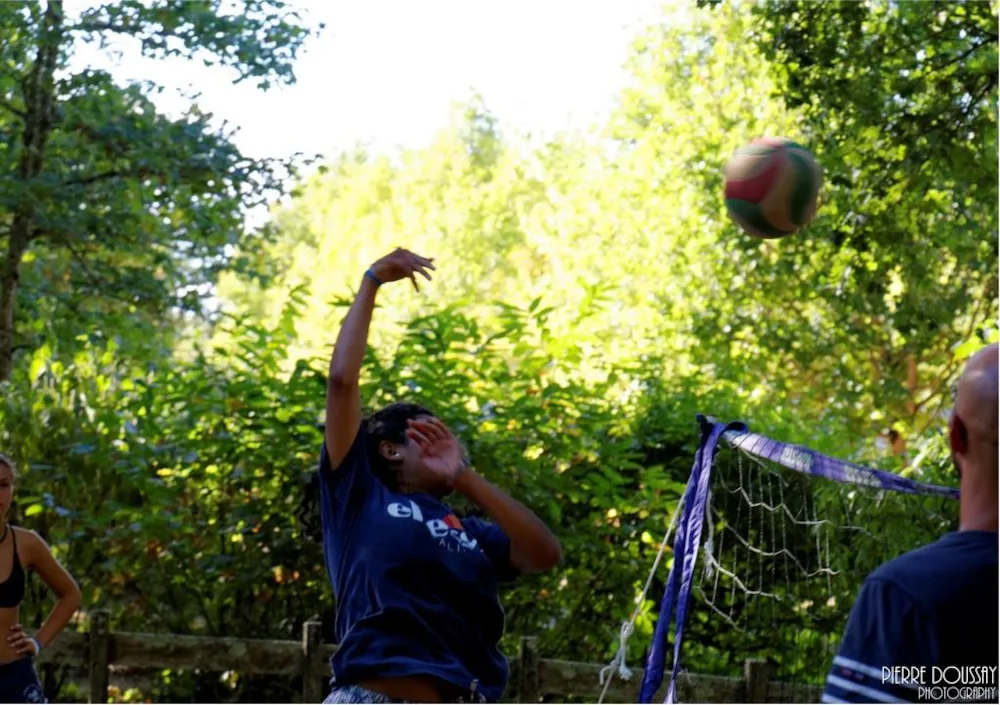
{"points": [[11, 465], [387, 424]]}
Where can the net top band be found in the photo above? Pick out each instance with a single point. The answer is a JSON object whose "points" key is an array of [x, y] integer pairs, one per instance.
{"points": [[808, 461]]}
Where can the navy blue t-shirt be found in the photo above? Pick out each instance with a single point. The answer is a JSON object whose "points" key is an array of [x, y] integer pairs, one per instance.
{"points": [[932, 614], [416, 589]]}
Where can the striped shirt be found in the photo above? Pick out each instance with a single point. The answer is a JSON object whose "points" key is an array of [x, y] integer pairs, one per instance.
{"points": [[924, 628]]}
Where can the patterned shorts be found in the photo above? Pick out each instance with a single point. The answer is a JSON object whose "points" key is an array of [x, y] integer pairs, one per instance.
{"points": [[357, 694], [19, 683]]}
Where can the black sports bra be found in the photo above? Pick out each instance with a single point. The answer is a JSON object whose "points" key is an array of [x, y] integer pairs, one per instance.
{"points": [[12, 589]]}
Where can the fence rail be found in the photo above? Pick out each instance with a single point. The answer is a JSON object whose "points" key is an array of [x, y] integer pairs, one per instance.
{"points": [[532, 677]]}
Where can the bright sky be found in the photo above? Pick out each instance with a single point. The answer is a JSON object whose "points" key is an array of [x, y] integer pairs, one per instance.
{"points": [[387, 72]]}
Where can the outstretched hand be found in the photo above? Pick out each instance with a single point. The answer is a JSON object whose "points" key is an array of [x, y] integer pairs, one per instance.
{"points": [[400, 264], [439, 448]]}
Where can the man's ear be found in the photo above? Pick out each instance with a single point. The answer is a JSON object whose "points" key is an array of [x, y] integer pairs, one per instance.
{"points": [[958, 435]]}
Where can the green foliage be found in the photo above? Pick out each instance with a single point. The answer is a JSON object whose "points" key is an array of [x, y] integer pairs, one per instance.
{"points": [[843, 343], [906, 241], [111, 208], [258, 40], [591, 298], [175, 491]]}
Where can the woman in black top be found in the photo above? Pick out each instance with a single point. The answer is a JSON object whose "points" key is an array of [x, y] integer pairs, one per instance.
{"points": [[22, 550]]}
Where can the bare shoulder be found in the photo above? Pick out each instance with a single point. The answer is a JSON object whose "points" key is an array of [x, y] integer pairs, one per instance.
{"points": [[29, 543], [27, 535]]}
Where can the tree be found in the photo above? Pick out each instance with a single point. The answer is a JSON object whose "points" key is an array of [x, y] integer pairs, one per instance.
{"points": [[861, 321], [592, 296], [140, 209], [652, 296], [900, 103]]}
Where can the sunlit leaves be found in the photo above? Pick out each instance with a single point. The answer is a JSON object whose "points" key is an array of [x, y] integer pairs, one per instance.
{"points": [[591, 297]]}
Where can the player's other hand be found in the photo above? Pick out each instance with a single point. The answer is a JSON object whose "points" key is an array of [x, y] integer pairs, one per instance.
{"points": [[402, 264], [20, 641], [439, 448]]}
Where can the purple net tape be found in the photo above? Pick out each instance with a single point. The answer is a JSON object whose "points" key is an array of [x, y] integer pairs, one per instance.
{"points": [[810, 462], [677, 595]]}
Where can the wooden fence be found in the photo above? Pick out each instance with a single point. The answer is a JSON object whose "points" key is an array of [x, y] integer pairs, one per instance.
{"points": [[532, 678]]}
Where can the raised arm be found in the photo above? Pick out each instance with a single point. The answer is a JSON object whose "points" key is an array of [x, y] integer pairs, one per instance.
{"points": [[343, 399]]}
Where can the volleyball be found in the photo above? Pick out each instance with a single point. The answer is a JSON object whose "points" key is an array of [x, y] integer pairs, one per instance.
{"points": [[771, 187]]}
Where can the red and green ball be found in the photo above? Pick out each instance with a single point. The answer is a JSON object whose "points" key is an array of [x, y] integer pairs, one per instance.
{"points": [[771, 187]]}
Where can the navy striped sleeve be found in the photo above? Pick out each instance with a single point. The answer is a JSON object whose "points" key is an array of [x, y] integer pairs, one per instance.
{"points": [[888, 639]]}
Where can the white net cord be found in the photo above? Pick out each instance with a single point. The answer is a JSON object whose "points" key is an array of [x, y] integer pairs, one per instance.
{"points": [[618, 665]]}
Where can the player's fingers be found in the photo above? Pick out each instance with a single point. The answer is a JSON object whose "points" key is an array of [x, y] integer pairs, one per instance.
{"points": [[421, 258], [428, 430], [431, 431], [416, 262], [440, 430], [433, 427], [421, 426], [414, 280], [404, 260], [419, 438]]}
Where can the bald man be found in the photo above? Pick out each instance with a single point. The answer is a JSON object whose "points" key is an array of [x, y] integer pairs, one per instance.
{"points": [[924, 627]]}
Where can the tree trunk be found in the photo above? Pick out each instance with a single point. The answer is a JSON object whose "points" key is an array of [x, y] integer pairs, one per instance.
{"points": [[912, 383], [11, 271], [39, 94]]}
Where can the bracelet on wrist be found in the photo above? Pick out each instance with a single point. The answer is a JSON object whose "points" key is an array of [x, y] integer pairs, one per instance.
{"points": [[38, 646], [371, 275]]}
